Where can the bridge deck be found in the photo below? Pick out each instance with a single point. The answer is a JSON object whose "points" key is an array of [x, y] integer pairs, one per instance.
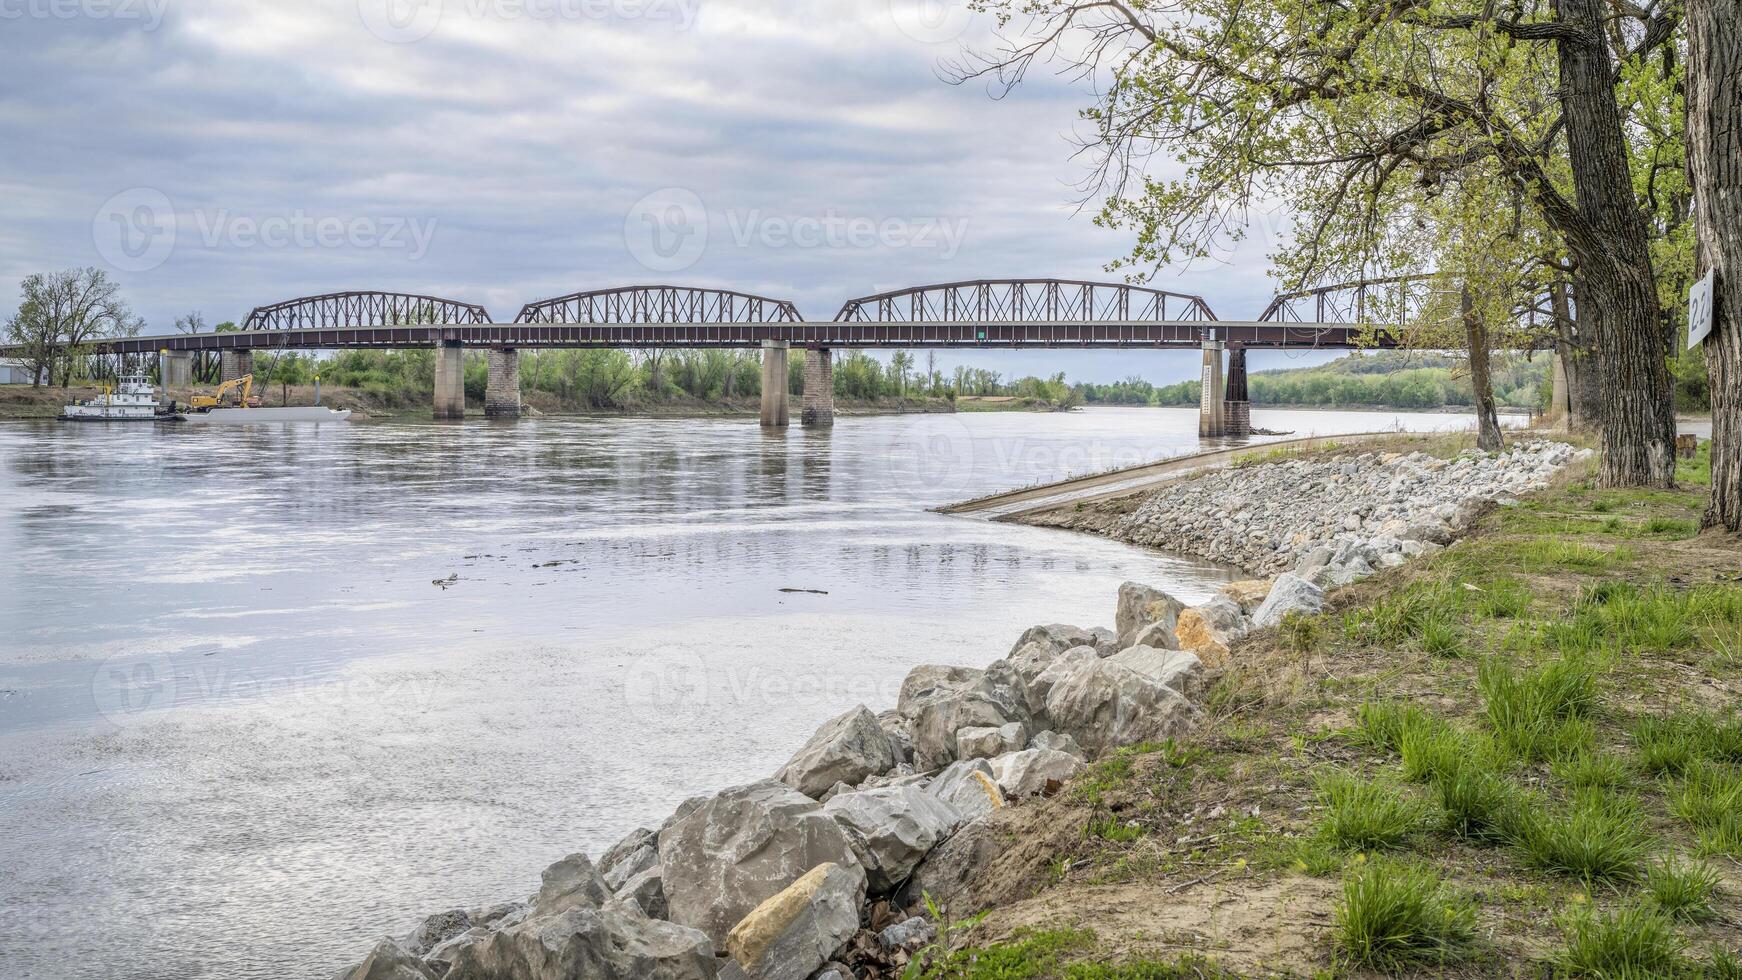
{"points": [[830, 334]]}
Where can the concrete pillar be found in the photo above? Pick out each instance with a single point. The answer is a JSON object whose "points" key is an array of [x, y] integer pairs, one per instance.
{"points": [[1560, 403], [232, 364], [450, 381], [176, 369], [774, 383], [502, 391], [819, 387], [1210, 421], [1236, 410]]}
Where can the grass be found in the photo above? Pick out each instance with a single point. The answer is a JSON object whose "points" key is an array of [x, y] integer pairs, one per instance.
{"points": [[1383, 724], [1708, 798], [1535, 711], [1395, 916], [1634, 942], [1682, 891], [1362, 814], [1598, 837]]}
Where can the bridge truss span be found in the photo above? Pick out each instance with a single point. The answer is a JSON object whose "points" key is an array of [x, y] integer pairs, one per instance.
{"points": [[659, 304], [1026, 300], [1378, 304], [360, 309]]}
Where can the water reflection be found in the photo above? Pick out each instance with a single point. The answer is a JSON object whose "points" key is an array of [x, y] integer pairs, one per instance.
{"points": [[268, 692]]}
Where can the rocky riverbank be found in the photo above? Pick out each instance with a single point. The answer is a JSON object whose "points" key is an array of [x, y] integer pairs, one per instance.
{"points": [[835, 866]]}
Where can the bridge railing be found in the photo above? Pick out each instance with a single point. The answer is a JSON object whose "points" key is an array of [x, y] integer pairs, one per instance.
{"points": [[1019, 300], [659, 304], [362, 308]]}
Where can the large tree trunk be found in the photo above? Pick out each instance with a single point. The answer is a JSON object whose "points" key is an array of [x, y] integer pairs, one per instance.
{"points": [[1616, 290], [1578, 357], [1481, 381], [1715, 163]]}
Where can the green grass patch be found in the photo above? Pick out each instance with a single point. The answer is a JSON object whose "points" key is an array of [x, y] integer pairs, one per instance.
{"points": [[1631, 943], [1708, 798], [1363, 814], [1537, 712], [1028, 955], [1115, 830], [1393, 917], [1682, 891], [1382, 724], [1598, 837], [1592, 770]]}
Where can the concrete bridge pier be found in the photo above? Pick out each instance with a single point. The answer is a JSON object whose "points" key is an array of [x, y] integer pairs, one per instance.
{"points": [[819, 387], [450, 381], [774, 411], [1210, 418], [1236, 410], [176, 370], [502, 390], [232, 364]]}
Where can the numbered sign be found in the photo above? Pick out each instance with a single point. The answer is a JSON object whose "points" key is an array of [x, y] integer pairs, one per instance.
{"points": [[1700, 309]]}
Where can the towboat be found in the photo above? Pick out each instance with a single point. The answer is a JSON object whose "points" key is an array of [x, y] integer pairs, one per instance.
{"points": [[133, 400]]}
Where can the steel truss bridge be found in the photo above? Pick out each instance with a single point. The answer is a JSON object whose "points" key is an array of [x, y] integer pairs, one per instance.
{"points": [[1007, 313]]}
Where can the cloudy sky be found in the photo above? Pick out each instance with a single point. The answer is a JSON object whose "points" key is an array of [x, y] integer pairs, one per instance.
{"points": [[216, 155]]}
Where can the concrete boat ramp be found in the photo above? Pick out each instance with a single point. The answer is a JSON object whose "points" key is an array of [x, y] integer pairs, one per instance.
{"points": [[1030, 501]]}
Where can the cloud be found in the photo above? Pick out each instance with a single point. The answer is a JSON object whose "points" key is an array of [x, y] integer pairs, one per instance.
{"points": [[522, 134]]}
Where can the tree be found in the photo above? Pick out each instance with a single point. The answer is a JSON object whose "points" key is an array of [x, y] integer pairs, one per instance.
{"points": [[1334, 107], [1715, 165], [900, 366], [61, 313]]}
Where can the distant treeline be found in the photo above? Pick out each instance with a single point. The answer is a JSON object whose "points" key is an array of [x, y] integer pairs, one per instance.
{"points": [[1393, 379], [619, 379]]}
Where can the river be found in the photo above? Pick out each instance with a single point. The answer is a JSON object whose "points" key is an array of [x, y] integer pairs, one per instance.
{"points": [[268, 693]]}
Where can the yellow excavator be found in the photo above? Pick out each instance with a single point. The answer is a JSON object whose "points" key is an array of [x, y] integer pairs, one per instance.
{"points": [[245, 396]]}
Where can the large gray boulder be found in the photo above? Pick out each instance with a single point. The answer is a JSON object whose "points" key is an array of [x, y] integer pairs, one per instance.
{"points": [[388, 961], [1062, 667], [892, 829], [984, 743], [740, 848], [570, 883], [900, 732], [1031, 771], [1056, 636], [598, 944], [631, 850], [793, 933], [435, 930], [969, 786], [1291, 593], [1178, 669], [1106, 705], [1058, 743], [645, 892], [942, 701], [1141, 606], [846, 749], [948, 875]]}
